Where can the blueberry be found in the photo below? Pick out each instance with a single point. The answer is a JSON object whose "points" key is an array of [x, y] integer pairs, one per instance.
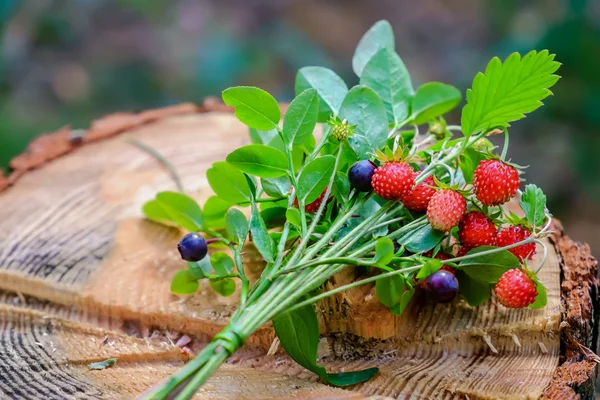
{"points": [[192, 247], [442, 286], [360, 174]]}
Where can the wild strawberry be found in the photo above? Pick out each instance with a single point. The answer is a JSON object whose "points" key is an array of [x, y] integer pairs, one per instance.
{"points": [[515, 289], [514, 234], [495, 182], [314, 206], [393, 180], [462, 250], [445, 209], [476, 229], [418, 197]]}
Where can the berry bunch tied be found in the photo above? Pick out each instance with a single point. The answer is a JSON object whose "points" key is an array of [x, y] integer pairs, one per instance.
{"points": [[352, 178]]}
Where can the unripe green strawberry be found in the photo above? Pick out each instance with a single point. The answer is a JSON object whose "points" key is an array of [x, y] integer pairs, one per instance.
{"points": [[515, 289], [341, 130], [445, 209]]}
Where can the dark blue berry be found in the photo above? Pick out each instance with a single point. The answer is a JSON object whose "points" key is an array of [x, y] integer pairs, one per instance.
{"points": [[192, 247], [442, 286], [360, 174]]}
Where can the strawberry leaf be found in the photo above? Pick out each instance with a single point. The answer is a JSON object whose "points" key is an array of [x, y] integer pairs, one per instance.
{"points": [[533, 204], [507, 91]]}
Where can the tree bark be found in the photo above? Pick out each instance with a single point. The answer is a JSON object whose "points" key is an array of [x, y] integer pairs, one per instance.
{"points": [[84, 278]]}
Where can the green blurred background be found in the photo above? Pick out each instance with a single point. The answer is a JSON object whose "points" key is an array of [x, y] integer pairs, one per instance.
{"points": [[68, 62]]}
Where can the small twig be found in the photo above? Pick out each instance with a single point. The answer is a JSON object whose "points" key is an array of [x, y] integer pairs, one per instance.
{"points": [[160, 158]]}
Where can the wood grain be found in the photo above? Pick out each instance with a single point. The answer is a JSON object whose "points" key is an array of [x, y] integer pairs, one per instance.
{"points": [[74, 247]]}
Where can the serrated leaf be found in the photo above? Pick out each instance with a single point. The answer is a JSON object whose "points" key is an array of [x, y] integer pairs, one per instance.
{"points": [[237, 226], [421, 239], [259, 160], [389, 290], [314, 178], [184, 282], [253, 106], [260, 235], [387, 75], [102, 364], [489, 267], [384, 251], [474, 291], [301, 117], [507, 91], [298, 333], [378, 37], [533, 204], [432, 100], [228, 183], [225, 287], [363, 108], [330, 87]]}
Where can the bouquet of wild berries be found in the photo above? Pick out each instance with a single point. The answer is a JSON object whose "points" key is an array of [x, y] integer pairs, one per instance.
{"points": [[388, 186]]}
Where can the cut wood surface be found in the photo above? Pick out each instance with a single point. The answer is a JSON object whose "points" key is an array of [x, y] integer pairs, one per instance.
{"points": [[85, 278]]}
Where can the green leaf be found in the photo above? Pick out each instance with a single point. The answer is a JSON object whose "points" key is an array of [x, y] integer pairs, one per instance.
{"points": [[390, 290], [301, 117], [228, 183], [293, 216], [386, 74], [237, 226], [474, 291], [103, 364], [260, 235], [273, 216], [422, 239], [379, 36], [276, 187], [199, 269], [341, 187], [184, 282], [268, 138], [253, 106], [468, 161], [260, 160], [363, 108], [182, 209], [330, 87], [314, 178], [542, 298], [298, 333], [399, 307], [214, 212], [430, 267], [384, 251], [155, 212], [506, 92], [489, 267], [432, 100], [225, 287], [533, 204], [222, 263]]}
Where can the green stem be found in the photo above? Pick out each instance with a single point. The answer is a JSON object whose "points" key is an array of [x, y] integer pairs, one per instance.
{"points": [[334, 260], [204, 373], [237, 257], [505, 148]]}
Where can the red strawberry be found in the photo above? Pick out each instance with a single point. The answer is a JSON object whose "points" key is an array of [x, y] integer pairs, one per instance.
{"points": [[445, 209], [515, 289], [514, 234], [494, 182], [462, 250], [418, 197], [393, 180], [476, 229], [314, 206]]}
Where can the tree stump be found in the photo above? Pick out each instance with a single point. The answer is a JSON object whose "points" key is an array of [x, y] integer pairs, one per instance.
{"points": [[84, 278]]}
